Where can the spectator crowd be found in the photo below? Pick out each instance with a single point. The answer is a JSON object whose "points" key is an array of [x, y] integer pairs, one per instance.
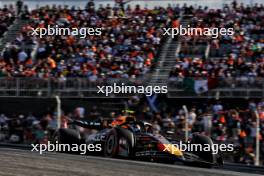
{"points": [[227, 71], [128, 46], [130, 42], [237, 58], [7, 17]]}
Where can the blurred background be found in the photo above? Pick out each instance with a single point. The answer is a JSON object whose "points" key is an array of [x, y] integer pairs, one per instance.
{"points": [[220, 81]]}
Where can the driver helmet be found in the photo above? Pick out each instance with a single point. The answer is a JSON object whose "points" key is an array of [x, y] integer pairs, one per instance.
{"points": [[118, 121], [121, 120]]}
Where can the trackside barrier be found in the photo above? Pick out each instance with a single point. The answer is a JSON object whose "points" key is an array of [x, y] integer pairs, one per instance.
{"points": [[83, 88]]}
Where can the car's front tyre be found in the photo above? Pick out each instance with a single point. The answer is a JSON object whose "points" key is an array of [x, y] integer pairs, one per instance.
{"points": [[111, 144]]}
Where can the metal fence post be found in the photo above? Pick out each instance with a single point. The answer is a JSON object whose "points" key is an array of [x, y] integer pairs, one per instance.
{"points": [[49, 88], [184, 107], [58, 111], [17, 87], [257, 139]]}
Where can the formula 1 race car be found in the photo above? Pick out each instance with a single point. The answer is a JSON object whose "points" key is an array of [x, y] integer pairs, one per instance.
{"points": [[126, 137]]}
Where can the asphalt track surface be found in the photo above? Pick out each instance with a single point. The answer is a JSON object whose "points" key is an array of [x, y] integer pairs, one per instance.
{"points": [[14, 162]]}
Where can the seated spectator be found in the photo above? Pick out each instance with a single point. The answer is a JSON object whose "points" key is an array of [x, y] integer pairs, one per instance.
{"points": [[7, 17]]}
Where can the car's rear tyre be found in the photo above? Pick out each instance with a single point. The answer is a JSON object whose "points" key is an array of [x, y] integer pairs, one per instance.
{"points": [[124, 148], [66, 136], [207, 156], [220, 161]]}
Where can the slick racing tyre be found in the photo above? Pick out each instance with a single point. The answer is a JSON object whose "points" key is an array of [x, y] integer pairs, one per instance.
{"points": [[111, 144], [207, 156], [118, 143], [66, 136]]}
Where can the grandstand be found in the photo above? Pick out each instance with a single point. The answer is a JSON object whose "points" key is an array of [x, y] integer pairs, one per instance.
{"points": [[135, 51]]}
